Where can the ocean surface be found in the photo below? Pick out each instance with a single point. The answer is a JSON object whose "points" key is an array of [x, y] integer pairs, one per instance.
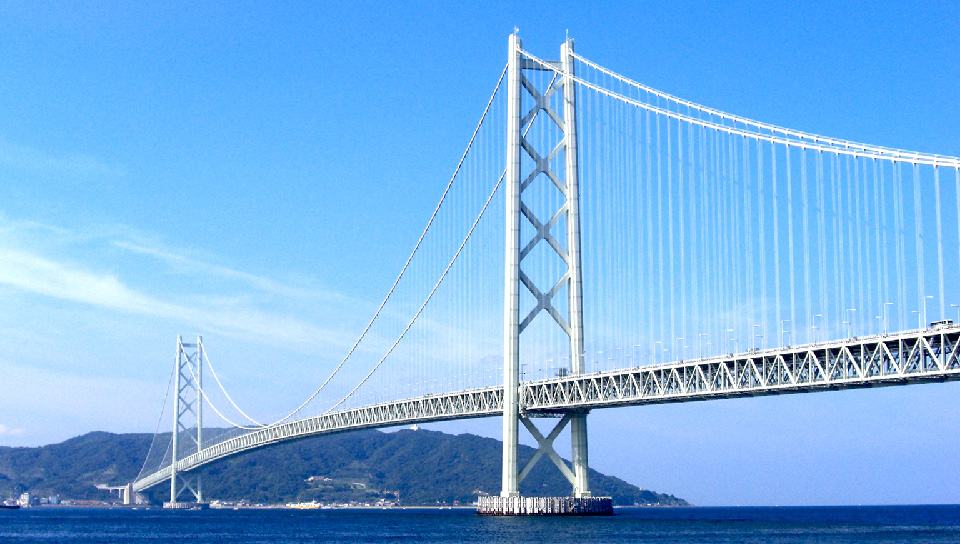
{"points": [[914, 524]]}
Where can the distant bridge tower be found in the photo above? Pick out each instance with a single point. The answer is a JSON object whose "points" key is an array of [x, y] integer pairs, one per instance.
{"points": [[187, 421], [517, 182]]}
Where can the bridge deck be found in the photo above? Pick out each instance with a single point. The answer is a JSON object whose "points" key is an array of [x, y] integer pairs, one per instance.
{"points": [[910, 357], [926, 355]]}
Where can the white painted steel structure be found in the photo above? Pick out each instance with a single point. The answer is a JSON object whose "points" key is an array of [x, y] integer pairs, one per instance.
{"points": [[459, 405], [517, 182], [718, 189], [187, 417], [930, 355], [923, 356]]}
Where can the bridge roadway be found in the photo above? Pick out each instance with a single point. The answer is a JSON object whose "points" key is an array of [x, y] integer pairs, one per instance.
{"points": [[918, 356]]}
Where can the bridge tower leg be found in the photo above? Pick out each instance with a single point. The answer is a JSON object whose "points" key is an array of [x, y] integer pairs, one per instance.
{"points": [[187, 421], [510, 501], [511, 318], [578, 423]]}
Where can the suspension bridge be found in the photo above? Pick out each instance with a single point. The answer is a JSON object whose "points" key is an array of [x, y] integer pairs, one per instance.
{"points": [[603, 244]]}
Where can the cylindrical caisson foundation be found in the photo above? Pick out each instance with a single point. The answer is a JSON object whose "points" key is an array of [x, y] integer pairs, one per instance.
{"points": [[545, 506], [183, 505]]}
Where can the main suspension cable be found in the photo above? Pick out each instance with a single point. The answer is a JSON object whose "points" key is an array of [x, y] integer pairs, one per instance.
{"points": [[446, 270], [159, 421], [427, 300], [409, 259], [898, 153], [203, 355], [210, 403], [913, 158]]}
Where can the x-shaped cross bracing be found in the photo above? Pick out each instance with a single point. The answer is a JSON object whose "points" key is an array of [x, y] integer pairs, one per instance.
{"points": [[542, 102], [544, 231], [188, 481], [544, 302], [542, 165], [545, 447]]}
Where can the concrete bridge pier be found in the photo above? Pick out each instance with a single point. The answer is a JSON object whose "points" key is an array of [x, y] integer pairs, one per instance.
{"points": [[126, 493]]}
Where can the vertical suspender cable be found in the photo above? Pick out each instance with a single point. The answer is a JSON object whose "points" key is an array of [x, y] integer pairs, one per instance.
{"points": [[649, 179], [705, 263], [640, 245], [898, 226], [878, 243], [672, 272], [606, 222], [717, 248], [849, 190], [736, 248], [918, 233], [728, 255], [956, 172], [680, 195], [808, 311], [846, 226], [761, 239], [793, 299], [747, 221], [861, 245], [886, 235], [642, 211], [723, 257], [821, 227], [776, 238], [863, 240], [690, 227], [660, 294], [736, 256], [840, 260], [936, 187]]}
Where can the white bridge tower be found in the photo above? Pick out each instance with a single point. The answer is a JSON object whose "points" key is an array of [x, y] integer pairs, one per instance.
{"points": [[517, 250], [187, 422]]}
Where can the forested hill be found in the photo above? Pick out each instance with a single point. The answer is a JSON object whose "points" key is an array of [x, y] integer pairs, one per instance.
{"points": [[418, 467]]}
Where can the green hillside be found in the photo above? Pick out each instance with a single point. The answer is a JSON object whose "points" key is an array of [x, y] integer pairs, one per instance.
{"points": [[418, 467]]}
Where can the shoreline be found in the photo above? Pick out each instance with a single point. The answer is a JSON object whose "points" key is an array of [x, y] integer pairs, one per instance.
{"points": [[310, 507]]}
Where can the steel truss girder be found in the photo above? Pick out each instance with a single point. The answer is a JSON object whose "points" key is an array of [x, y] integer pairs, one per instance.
{"points": [[913, 357], [460, 405]]}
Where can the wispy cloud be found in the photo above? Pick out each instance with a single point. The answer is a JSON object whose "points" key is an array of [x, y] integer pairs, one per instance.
{"points": [[66, 281], [74, 165], [33, 273], [5, 430], [186, 264]]}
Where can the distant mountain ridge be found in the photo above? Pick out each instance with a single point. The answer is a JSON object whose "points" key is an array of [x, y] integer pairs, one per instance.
{"points": [[417, 467]]}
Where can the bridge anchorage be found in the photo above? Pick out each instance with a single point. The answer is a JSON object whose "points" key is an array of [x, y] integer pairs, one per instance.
{"points": [[812, 251]]}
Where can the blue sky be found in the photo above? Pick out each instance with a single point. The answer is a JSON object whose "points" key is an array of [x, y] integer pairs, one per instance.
{"points": [[258, 173]]}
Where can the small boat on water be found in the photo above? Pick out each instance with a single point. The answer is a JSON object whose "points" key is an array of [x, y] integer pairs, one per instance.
{"points": [[5, 506]]}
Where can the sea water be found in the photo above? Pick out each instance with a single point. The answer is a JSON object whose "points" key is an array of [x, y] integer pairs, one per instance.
{"points": [[873, 524]]}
